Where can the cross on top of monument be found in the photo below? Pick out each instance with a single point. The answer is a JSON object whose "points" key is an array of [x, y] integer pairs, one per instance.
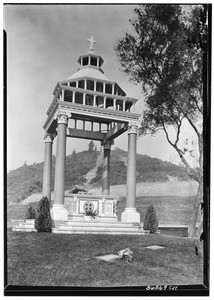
{"points": [[91, 41]]}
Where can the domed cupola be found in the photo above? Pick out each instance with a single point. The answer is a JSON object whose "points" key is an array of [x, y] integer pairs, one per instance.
{"points": [[88, 86], [90, 59]]}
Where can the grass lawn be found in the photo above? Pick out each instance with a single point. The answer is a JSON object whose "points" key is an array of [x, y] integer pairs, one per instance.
{"points": [[42, 259]]}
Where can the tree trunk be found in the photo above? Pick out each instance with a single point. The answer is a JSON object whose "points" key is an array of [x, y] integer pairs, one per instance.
{"points": [[194, 232]]}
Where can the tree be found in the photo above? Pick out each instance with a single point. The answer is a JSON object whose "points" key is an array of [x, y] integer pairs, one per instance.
{"points": [[158, 57], [31, 213], [43, 220], [74, 153], [151, 221], [91, 146]]}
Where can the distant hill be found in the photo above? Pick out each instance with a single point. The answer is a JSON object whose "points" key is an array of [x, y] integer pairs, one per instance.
{"points": [[27, 180]]}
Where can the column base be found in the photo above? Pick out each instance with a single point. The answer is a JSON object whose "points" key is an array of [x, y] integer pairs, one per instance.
{"points": [[59, 213], [106, 192], [130, 215]]}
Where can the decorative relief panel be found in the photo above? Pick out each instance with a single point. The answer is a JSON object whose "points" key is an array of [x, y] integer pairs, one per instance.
{"points": [[103, 207], [75, 205], [88, 206], [108, 208], [69, 205], [78, 205], [84, 204]]}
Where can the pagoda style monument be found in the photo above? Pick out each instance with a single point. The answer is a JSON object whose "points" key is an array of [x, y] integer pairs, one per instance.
{"points": [[88, 105]]}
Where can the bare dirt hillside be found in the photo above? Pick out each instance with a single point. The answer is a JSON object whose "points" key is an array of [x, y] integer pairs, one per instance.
{"points": [[85, 168], [169, 188]]}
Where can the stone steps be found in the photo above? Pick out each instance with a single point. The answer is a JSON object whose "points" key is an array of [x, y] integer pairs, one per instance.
{"points": [[96, 227], [102, 224], [24, 227], [87, 227], [111, 232]]}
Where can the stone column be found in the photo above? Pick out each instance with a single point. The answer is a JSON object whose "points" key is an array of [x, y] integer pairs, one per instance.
{"points": [[85, 84], [104, 102], [84, 97], [63, 95], [113, 86], [59, 212], [47, 171], [130, 214], [94, 100], [106, 167], [73, 96]]}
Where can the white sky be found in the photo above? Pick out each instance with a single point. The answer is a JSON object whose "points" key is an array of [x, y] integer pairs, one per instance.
{"points": [[43, 45]]}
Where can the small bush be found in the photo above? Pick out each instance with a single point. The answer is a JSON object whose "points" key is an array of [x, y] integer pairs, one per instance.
{"points": [[31, 213], [151, 221], [43, 221]]}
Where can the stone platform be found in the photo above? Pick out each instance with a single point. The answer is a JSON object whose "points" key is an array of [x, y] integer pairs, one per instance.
{"points": [[78, 222]]}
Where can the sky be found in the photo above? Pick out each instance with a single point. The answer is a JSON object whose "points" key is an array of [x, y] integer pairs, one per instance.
{"points": [[43, 45]]}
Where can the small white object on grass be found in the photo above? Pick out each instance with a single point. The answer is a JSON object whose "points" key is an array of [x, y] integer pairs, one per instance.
{"points": [[108, 257], [154, 247]]}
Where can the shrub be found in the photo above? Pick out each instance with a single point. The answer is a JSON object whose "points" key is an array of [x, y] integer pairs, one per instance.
{"points": [[151, 221], [31, 213], [43, 221]]}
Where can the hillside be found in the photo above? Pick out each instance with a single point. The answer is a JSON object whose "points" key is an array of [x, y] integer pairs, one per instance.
{"points": [[148, 169], [85, 168]]}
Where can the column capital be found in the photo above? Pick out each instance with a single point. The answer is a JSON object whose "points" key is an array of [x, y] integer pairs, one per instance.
{"points": [[107, 144], [49, 137], [133, 127], [62, 117]]}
